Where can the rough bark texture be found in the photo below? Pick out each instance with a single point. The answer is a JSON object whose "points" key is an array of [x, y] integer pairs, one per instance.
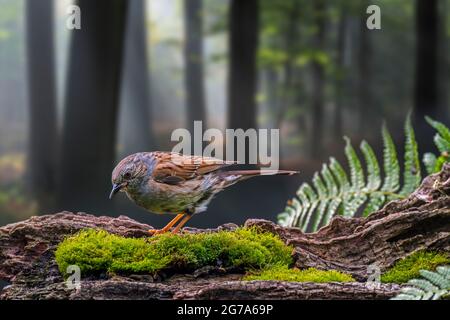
{"points": [[91, 105], [422, 221], [42, 102]]}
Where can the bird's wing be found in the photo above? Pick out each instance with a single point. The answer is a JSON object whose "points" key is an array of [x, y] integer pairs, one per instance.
{"points": [[174, 168]]}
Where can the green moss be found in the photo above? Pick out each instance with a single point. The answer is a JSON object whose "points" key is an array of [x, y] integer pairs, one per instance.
{"points": [[96, 251], [409, 267], [283, 273]]}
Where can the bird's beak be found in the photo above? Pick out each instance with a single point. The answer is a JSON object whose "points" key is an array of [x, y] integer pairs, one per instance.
{"points": [[116, 188]]}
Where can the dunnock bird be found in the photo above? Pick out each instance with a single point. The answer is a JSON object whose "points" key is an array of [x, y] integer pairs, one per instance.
{"points": [[168, 182]]}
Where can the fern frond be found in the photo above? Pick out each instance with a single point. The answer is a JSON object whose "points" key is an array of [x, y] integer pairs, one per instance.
{"points": [[373, 169], [433, 285], [429, 160], [442, 142], [390, 162], [334, 192], [440, 128], [411, 174]]}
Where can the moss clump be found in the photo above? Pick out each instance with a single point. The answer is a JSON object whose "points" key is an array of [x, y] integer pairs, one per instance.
{"points": [[409, 267], [283, 273], [96, 251]]}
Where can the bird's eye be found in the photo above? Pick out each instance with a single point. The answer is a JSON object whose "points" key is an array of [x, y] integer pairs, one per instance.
{"points": [[127, 175]]}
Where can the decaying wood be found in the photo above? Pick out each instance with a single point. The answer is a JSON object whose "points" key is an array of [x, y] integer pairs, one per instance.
{"points": [[422, 221]]}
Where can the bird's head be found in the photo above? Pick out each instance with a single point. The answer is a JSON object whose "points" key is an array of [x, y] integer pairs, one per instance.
{"points": [[128, 173]]}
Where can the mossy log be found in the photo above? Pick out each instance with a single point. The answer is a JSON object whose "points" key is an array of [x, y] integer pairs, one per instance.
{"points": [[419, 222]]}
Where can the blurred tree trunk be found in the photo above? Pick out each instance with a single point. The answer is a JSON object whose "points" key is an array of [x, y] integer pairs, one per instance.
{"points": [[242, 78], [365, 106], [91, 105], [426, 77], [193, 56], [290, 40], [42, 102], [135, 110], [341, 74], [318, 80], [444, 53]]}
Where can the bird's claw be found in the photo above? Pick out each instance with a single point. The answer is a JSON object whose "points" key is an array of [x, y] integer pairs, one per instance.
{"points": [[154, 232]]}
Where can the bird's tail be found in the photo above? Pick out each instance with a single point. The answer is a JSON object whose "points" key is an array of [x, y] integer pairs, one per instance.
{"points": [[231, 177], [262, 172]]}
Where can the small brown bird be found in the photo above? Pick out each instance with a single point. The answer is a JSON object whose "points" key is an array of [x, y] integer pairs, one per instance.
{"points": [[168, 182]]}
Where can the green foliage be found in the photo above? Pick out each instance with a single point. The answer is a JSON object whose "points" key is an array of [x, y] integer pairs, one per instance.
{"points": [[96, 251], [432, 286], [334, 192], [283, 273], [409, 268], [432, 162]]}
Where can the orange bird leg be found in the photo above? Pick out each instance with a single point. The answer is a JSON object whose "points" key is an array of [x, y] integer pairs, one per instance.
{"points": [[168, 226], [182, 223]]}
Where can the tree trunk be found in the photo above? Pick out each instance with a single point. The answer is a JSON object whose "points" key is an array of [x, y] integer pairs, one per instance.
{"points": [[341, 74], [352, 245], [242, 78], [135, 110], [42, 102], [318, 81], [444, 62], [91, 105], [193, 56], [365, 106], [290, 40], [426, 77]]}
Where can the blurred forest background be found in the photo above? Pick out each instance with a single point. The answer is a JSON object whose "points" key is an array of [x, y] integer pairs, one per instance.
{"points": [[73, 103]]}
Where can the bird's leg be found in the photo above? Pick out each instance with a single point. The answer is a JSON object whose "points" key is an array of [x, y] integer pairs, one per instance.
{"points": [[168, 226], [182, 223]]}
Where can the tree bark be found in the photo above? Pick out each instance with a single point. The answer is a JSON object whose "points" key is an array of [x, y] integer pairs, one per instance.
{"points": [[193, 57], [91, 105], [42, 103], [426, 75], [135, 110], [242, 78], [402, 227]]}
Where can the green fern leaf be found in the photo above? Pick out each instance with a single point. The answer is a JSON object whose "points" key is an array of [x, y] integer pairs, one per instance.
{"points": [[323, 195], [434, 285], [354, 199], [334, 192], [429, 160], [444, 271], [440, 128], [314, 201], [435, 278], [403, 296], [340, 175], [390, 162], [356, 171], [442, 144], [373, 169], [411, 173], [304, 205]]}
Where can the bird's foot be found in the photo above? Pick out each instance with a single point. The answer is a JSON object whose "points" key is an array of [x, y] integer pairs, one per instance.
{"points": [[154, 232]]}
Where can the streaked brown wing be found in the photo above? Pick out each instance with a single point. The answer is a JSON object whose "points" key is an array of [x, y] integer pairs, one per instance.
{"points": [[173, 168]]}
